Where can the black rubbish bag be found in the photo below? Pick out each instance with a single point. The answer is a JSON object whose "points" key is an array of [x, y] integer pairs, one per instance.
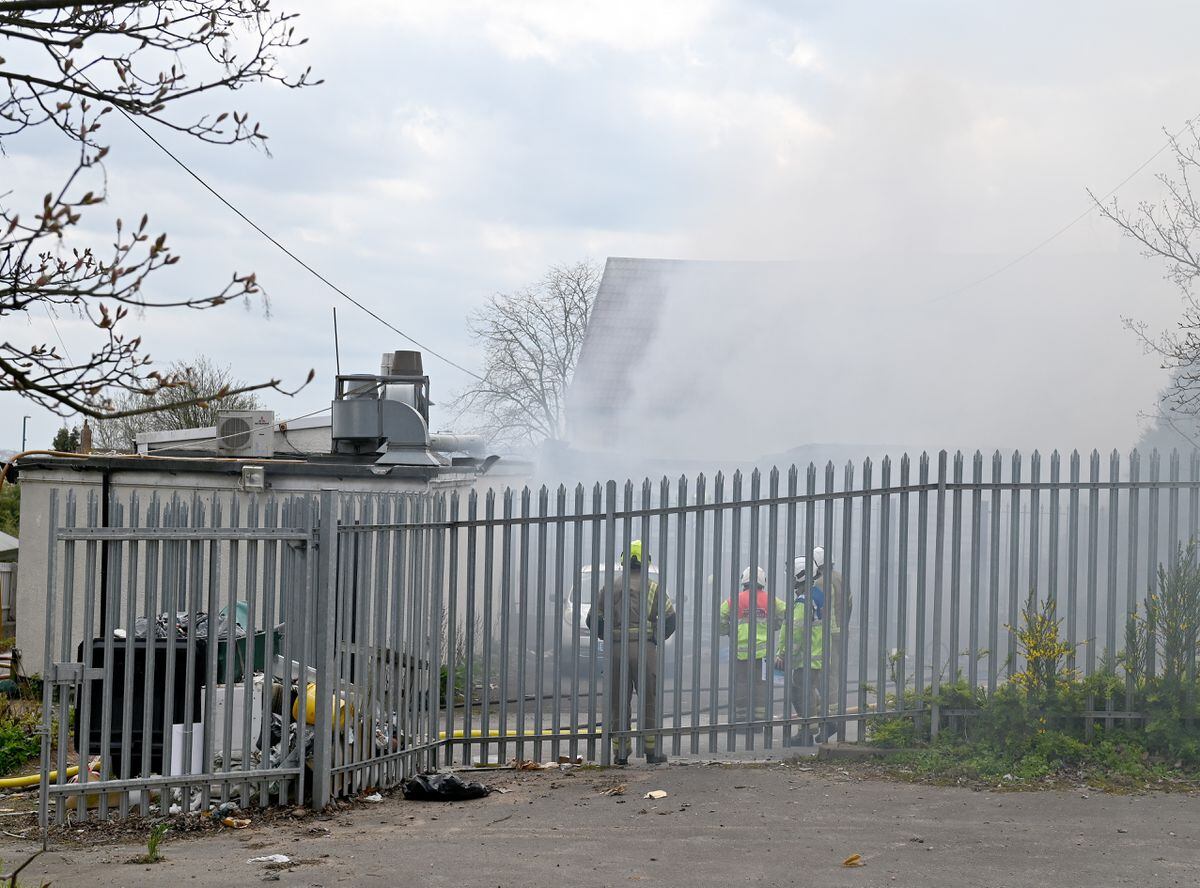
{"points": [[442, 788]]}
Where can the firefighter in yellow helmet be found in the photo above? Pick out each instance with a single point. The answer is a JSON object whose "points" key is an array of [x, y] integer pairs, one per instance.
{"points": [[607, 620]]}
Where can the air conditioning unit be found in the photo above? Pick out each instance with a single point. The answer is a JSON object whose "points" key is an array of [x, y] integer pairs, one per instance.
{"points": [[248, 433]]}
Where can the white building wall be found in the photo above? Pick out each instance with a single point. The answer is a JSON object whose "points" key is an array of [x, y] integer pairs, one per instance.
{"points": [[38, 484]]}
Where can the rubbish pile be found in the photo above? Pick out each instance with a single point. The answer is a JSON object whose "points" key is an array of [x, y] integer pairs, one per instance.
{"points": [[167, 626], [442, 788]]}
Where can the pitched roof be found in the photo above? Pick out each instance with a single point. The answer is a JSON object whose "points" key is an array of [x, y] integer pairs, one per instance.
{"points": [[661, 330]]}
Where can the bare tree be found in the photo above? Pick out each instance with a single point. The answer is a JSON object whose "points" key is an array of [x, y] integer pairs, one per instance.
{"points": [[72, 62], [531, 340], [177, 407], [1170, 231]]}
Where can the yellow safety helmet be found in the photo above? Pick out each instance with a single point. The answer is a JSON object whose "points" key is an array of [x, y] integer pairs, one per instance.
{"points": [[635, 553]]}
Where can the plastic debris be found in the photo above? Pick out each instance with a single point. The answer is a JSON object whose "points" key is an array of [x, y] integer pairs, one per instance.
{"points": [[223, 811], [373, 797], [235, 822], [442, 788], [854, 860], [656, 794], [271, 858]]}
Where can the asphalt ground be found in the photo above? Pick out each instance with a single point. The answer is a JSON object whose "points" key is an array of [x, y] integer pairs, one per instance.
{"points": [[780, 824]]}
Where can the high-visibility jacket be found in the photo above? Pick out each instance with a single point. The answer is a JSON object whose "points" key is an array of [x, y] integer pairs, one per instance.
{"points": [[816, 636], [767, 612], [607, 617]]}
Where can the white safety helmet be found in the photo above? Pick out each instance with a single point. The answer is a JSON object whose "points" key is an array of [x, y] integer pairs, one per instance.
{"points": [[799, 567], [819, 558], [762, 577]]}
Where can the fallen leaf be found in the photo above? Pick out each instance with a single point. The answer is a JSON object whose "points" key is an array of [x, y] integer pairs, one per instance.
{"points": [[614, 790], [853, 860], [655, 794], [236, 823]]}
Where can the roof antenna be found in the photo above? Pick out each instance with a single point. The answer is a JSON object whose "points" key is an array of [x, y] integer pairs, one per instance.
{"points": [[337, 351]]}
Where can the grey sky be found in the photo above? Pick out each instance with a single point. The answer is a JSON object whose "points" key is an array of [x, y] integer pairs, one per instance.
{"points": [[459, 148]]}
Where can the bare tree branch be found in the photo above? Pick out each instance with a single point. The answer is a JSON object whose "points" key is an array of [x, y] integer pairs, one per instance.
{"points": [[145, 58], [531, 341], [208, 389], [1170, 232]]}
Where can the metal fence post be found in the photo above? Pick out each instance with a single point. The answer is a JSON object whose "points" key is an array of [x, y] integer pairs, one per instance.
{"points": [[323, 614], [939, 548], [48, 675]]}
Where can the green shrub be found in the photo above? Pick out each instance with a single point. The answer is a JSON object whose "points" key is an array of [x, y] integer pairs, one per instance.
{"points": [[893, 732], [18, 742]]}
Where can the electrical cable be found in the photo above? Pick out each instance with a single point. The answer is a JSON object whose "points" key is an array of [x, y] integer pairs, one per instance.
{"points": [[285, 250], [1065, 228]]}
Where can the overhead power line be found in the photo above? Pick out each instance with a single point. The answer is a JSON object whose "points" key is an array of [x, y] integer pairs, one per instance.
{"points": [[1023, 256], [165, 150]]}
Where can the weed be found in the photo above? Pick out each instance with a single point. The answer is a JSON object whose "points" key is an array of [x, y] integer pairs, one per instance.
{"points": [[153, 840]]}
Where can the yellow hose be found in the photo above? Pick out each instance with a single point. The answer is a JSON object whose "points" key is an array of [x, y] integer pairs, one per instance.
{"points": [[495, 732], [33, 779]]}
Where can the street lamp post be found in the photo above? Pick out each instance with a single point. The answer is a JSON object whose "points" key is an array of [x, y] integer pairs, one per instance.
{"points": [[24, 424]]}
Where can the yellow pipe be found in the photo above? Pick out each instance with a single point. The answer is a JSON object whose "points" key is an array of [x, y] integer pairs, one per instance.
{"points": [[495, 732], [33, 779]]}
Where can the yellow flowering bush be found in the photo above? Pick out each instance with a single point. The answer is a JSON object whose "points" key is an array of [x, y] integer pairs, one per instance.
{"points": [[1043, 650]]}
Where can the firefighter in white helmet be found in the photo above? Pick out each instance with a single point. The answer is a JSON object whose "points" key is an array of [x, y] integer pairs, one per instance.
{"points": [[800, 645], [750, 656]]}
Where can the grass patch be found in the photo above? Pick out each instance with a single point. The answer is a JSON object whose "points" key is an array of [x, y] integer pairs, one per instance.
{"points": [[1115, 763]]}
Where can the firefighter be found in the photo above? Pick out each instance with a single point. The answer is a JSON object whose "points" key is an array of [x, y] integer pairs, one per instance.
{"points": [[813, 649], [835, 619], [750, 683], [625, 647]]}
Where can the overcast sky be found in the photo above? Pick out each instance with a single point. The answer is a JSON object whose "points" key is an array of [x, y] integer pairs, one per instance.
{"points": [[459, 148]]}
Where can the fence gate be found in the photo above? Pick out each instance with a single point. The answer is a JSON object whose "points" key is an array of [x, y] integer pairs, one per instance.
{"points": [[380, 641], [173, 629]]}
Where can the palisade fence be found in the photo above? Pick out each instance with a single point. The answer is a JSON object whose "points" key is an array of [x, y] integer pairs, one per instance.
{"points": [[357, 638]]}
